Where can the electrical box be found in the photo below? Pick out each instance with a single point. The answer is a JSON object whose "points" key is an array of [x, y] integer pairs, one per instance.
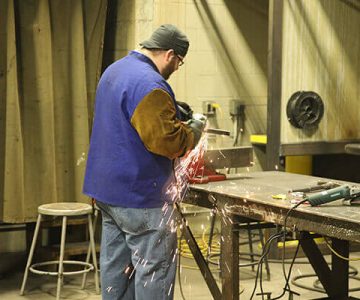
{"points": [[208, 108], [236, 107]]}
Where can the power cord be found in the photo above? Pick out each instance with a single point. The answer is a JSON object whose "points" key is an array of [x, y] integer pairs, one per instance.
{"points": [[184, 251], [287, 286], [287, 276], [336, 253], [316, 284], [316, 287], [266, 251], [216, 251]]}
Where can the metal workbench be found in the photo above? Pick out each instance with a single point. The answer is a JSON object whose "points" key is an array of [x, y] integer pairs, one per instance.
{"points": [[250, 195]]}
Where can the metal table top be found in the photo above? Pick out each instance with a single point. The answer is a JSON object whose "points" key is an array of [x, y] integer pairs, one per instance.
{"points": [[251, 195]]}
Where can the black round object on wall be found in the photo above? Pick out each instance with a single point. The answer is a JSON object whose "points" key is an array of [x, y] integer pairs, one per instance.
{"points": [[305, 109]]}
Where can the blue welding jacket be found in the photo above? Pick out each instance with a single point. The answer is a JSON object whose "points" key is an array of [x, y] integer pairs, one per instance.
{"points": [[120, 171]]}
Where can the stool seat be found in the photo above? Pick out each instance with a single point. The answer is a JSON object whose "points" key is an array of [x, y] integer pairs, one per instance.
{"points": [[65, 209]]}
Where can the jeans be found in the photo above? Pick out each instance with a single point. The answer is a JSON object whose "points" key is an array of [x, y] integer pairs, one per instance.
{"points": [[138, 253]]}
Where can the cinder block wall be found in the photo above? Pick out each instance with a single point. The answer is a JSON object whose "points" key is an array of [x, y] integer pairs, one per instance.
{"points": [[227, 58]]}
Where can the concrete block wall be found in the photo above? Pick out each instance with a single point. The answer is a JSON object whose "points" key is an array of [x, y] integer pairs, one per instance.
{"points": [[227, 58]]}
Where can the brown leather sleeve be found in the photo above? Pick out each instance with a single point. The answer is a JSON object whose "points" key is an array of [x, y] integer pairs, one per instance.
{"points": [[158, 127]]}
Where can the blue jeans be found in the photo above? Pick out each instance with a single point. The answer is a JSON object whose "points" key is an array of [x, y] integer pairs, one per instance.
{"points": [[138, 253]]}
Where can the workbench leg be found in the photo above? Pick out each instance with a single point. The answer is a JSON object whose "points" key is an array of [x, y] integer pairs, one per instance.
{"points": [[340, 268], [335, 280], [199, 258], [229, 258]]}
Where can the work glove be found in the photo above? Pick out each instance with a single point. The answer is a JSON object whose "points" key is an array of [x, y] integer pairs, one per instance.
{"points": [[185, 110], [197, 125]]}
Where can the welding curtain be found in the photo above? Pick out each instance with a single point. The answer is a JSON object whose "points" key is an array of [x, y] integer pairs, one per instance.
{"points": [[50, 60]]}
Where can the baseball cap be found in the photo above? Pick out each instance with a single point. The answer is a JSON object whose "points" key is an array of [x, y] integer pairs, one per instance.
{"points": [[167, 36]]}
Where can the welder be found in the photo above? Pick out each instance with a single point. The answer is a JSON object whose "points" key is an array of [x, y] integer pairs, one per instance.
{"points": [[135, 138]]}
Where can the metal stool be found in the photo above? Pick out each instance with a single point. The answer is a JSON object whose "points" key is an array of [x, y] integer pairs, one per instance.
{"points": [[96, 214], [64, 210]]}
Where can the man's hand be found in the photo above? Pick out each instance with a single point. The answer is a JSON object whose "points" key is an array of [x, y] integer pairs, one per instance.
{"points": [[186, 112], [200, 117], [197, 125]]}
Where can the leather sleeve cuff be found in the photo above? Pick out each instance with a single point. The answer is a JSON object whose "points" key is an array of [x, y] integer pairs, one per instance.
{"points": [[158, 127]]}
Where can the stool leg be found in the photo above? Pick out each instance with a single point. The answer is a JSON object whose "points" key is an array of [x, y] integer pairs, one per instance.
{"points": [[32, 248], [251, 249], [89, 249], [61, 259], [93, 251]]}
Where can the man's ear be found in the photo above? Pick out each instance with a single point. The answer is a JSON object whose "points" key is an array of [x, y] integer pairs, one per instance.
{"points": [[169, 54]]}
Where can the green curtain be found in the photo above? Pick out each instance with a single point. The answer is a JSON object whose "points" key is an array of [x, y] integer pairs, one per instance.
{"points": [[50, 60]]}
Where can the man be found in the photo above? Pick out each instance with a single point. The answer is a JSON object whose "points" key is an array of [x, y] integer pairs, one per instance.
{"points": [[135, 138]]}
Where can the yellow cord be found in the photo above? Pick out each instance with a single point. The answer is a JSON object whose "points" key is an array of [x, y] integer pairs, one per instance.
{"points": [[203, 246], [337, 254]]}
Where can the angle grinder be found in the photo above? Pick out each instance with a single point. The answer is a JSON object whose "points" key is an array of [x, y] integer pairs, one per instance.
{"points": [[341, 192]]}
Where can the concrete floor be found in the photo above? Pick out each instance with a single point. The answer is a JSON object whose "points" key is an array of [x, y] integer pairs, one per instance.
{"points": [[193, 285]]}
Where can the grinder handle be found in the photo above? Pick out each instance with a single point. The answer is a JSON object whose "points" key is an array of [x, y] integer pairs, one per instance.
{"points": [[330, 195]]}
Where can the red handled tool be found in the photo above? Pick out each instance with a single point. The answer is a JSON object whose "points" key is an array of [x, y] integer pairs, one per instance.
{"points": [[200, 173]]}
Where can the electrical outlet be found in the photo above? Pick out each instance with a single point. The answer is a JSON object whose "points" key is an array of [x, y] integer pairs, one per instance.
{"points": [[208, 108]]}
